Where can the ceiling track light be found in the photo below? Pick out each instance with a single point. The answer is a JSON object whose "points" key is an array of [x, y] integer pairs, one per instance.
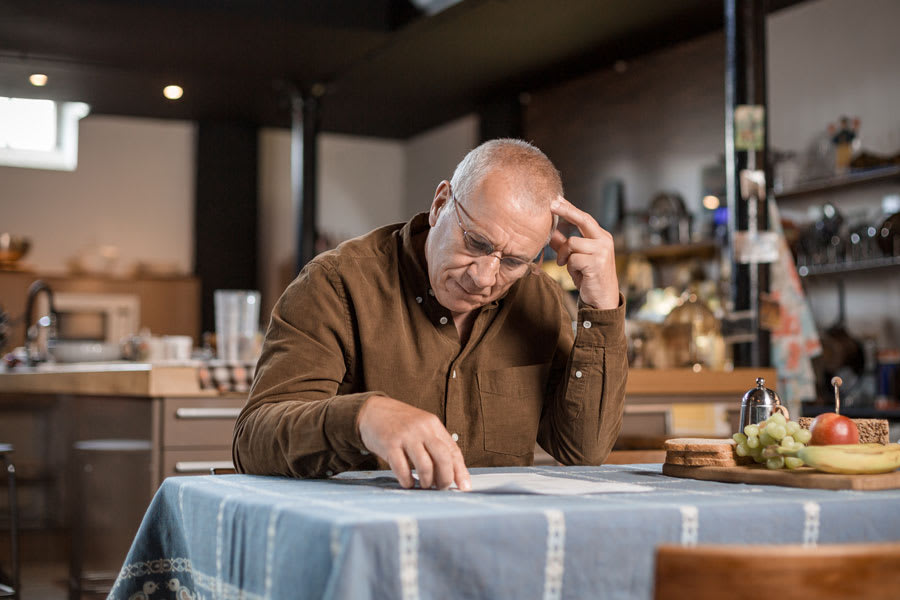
{"points": [[38, 79]]}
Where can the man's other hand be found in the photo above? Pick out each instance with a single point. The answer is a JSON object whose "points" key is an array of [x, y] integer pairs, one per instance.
{"points": [[404, 435], [590, 259]]}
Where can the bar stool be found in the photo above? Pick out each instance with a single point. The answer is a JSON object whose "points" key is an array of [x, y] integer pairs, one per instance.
{"points": [[111, 493], [13, 590]]}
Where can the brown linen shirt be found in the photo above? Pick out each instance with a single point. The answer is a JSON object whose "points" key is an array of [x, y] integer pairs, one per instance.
{"points": [[361, 320]]}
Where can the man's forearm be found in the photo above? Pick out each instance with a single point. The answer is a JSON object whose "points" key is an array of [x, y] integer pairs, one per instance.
{"points": [[584, 415], [299, 437]]}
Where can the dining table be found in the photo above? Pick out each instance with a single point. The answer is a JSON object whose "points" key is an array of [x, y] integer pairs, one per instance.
{"points": [[544, 532]]}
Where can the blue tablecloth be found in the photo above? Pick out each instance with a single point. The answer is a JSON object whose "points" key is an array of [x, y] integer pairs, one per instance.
{"points": [[242, 536]]}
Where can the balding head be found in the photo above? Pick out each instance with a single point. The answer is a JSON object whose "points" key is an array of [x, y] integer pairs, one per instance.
{"points": [[531, 175]]}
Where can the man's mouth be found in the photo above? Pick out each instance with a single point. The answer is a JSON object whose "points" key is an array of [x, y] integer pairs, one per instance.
{"points": [[478, 294]]}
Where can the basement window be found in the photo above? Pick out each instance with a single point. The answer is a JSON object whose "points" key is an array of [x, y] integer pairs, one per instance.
{"points": [[40, 134]]}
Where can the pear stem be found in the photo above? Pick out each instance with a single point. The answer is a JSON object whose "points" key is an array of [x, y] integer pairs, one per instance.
{"points": [[837, 382]]}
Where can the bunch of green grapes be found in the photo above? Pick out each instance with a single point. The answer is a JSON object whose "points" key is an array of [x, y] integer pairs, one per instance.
{"points": [[760, 441]]}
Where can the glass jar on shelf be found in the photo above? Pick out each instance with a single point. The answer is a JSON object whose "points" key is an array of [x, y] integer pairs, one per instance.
{"points": [[702, 342]]}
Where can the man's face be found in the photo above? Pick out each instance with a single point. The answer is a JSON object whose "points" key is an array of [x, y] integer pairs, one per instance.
{"points": [[464, 279]]}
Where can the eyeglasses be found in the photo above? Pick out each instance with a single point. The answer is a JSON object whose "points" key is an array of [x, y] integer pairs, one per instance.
{"points": [[477, 245]]}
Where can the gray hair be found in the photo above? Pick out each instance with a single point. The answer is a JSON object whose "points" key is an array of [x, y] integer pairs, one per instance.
{"points": [[539, 181]]}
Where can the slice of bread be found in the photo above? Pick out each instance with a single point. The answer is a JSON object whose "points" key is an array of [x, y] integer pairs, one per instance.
{"points": [[714, 445], [703, 452], [700, 454], [694, 461]]}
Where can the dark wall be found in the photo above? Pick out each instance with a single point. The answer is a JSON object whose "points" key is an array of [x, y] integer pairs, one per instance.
{"points": [[226, 210], [654, 125]]}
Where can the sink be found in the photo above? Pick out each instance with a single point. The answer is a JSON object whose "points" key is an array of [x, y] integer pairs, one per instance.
{"points": [[78, 352]]}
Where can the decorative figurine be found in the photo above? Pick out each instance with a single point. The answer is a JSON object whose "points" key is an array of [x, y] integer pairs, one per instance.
{"points": [[844, 137]]}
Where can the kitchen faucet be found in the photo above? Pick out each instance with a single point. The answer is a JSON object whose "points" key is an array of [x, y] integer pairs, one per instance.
{"points": [[32, 332]]}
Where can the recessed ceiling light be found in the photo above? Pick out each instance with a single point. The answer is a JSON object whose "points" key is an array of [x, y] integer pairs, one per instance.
{"points": [[173, 92], [38, 79]]}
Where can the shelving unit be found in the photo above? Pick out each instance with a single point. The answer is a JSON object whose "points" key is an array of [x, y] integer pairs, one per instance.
{"points": [[880, 270], [856, 266], [838, 182]]}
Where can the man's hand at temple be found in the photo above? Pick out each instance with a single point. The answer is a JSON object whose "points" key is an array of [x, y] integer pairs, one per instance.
{"points": [[404, 435], [590, 259]]}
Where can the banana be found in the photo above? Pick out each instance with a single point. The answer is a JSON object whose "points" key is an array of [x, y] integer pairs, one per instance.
{"points": [[850, 458]]}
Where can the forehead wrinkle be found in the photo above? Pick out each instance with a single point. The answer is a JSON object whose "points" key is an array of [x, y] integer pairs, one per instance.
{"points": [[475, 228]]}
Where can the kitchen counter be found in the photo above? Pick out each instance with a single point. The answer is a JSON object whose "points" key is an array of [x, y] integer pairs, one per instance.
{"points": [[119, 378], [123, 378], [80, 429], [693, 385]]}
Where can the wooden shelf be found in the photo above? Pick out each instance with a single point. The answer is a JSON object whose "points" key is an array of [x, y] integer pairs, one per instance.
{"points": [[828, 184], [665, 252]]}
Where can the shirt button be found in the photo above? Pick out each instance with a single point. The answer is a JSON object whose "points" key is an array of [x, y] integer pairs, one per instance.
{"points": [[329, 472], [587, 324], [578, 374], [454, 437], [419, 299], [443, 320], [431, 292]]}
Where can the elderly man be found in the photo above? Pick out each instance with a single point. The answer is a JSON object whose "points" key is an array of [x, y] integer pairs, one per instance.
{"points": [[440, 343]]}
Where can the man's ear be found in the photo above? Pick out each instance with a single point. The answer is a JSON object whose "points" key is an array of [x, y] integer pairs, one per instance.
{"points": [[441, 198]]}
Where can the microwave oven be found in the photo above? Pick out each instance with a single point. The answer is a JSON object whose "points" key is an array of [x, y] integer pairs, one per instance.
{"points": [[96, 317]]}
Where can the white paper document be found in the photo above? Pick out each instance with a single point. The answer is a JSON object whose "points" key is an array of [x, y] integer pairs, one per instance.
{"points": [[513, 483], [535, 483]]}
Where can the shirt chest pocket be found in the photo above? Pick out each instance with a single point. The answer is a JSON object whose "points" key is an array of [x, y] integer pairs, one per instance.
{"points": [[511, 404]]}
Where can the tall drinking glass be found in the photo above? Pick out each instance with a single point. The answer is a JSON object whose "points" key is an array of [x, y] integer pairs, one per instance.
{"points": [[237, 324]]}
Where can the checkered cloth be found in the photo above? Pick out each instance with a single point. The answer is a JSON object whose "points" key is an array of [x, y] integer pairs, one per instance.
{"points": [[226, 376]]}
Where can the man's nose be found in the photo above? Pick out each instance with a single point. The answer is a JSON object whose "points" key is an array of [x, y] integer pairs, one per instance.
{"points": [[483, 271]]}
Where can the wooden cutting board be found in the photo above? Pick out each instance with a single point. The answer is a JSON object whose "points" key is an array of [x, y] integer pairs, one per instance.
{"points": [[804, 477]]}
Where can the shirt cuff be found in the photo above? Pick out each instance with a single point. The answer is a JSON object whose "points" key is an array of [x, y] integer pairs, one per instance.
{"points": [[600, 327], [342, 427]]}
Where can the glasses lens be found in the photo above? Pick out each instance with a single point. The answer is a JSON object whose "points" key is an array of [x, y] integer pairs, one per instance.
{"points": [[477, 244]]}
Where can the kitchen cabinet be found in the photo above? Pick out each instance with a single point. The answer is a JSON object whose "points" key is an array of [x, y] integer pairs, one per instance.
{"points": [[168, 305], [194, 434], [56, 414]]}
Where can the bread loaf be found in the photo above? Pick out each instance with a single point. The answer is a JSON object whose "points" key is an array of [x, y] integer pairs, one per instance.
{"points": [[871, 431]]}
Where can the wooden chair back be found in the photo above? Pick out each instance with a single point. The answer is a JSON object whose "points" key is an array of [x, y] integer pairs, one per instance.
{"points": [[785, 572]]}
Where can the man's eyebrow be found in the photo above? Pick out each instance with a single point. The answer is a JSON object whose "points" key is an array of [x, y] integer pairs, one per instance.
{"points": [[474, 230], [494, 246]]}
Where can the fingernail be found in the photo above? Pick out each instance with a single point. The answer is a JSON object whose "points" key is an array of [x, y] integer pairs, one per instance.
{"points": [[554, 205], [466, 486]]}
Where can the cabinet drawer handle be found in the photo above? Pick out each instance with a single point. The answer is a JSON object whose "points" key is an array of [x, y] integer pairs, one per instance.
{"points": [[201, 466], [207, 413]]}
